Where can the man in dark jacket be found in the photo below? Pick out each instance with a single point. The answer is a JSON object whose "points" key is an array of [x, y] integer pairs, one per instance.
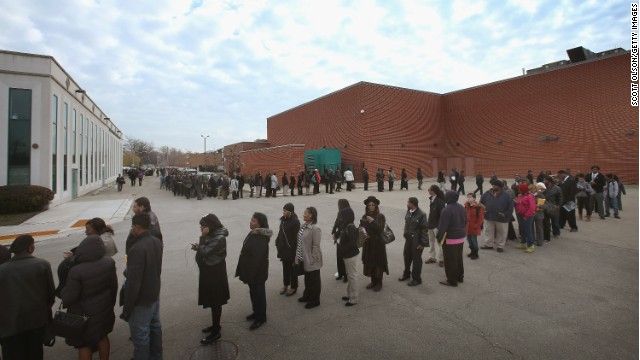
{"points": [[553, 195], [420, 178], [25, 304], [436, 204], [416, 239], [142, 294], [597, 181], [479, 183], [142, 205], [365, 178], [498, 210], [286, 246], [568, 209]]}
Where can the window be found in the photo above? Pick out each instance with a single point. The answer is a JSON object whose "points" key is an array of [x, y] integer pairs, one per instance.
{"points": [[73, 135], [65, 142], [19, 136], [81, 146], [54, 144]]}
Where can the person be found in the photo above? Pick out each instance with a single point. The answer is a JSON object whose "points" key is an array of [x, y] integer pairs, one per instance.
{"points": [[142, 205], [416, 238], [451, 233], [538, 218], [120, 181], [140, 177], [348, 177], [479, 183], [274, 184], [622, 191], [453, 179], [241, 186], [285, 184], [553, 196], [461, 182], [338, 179], [91, 289], [611, 193], [374, 252], [133, 175], [440, 180], [292, 184], [198, 184], [391, 176], [475, 217], [335, 234], [348, 242], [525, 211], [328, 181], [97, 226], [380, 180], [365, 178], [257, 182], [309, 254], [568, 209], [267, 185], [315, 180], [420, 178], [404, 180], [27, 296], [498, 207], [436, 204], [252, 187], [301, 182], [141, 298], [253, 267], [213, 286], [598, 183], [286, 247], [233, 187], [583, 197]]}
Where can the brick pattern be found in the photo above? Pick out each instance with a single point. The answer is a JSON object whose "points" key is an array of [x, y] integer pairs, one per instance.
{"points": [[280, 159], [494, 127]]}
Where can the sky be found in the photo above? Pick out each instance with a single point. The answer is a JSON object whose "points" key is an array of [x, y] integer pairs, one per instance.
{"points": [[169, 71]]}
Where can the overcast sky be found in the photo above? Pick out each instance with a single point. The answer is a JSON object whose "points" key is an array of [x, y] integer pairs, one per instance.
{"points": [[168, 71]]}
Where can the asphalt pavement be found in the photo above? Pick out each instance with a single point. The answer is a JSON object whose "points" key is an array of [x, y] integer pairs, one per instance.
{"points": [[574, 298]]}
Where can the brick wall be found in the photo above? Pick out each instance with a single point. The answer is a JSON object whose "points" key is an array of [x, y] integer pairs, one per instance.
{"points": [[279, 159]]}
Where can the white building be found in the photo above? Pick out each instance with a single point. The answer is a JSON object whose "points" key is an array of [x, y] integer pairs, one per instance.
{"points": [[52, 133]]}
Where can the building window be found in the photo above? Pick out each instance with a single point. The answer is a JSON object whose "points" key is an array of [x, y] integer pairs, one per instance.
{"points": [[75, 140], [91, 153], [65, 142], [54, 144], [86, 157], [19, 154], [81, 146]]}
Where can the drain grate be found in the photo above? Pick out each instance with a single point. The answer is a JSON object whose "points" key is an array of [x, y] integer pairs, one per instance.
{"points": [[219, 350]]}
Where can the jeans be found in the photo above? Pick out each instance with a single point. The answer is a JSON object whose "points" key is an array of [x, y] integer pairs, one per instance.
{"points": [[612, 202], [526, 227], [146, 331], [473, 242]]}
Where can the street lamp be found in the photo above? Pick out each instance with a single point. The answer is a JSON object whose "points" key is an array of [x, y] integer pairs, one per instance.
{"points": [[205, 148]]}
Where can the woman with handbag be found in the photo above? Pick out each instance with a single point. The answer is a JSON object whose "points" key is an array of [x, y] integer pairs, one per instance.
{"points": [[253, 267], [309, 254], [91, 289], [335, 234], [374, 252], [286, 247], [213, 286]]}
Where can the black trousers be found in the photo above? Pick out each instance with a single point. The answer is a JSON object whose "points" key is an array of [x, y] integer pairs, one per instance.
{"points": [[453, 267], [342, 271], [312, 286], [461, 188], [454, 185], [349, 185], [478, 189], [568, 217], [258, 301], [289, 278], [23, 346], [390, 185], [412, 255], [216, 314], [380, 186], [366, 185]]}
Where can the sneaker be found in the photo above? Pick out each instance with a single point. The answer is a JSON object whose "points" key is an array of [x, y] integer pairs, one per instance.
{"points": [[521, 246], [530, 249]]}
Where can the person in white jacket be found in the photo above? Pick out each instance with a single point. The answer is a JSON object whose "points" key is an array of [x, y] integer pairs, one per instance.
{"points": [[348, 177]]}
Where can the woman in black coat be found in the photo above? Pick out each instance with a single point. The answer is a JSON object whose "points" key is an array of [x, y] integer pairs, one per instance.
{"points": [[253, 267], [213, 286], [374, 251], [404, 180], [335, 233], [286, 246], [91, 289]]}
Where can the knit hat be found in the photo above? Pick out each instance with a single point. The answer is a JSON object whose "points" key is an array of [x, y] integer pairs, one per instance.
{"points": [[21, 243], [414, 201], [288, 207], [523, 188]]}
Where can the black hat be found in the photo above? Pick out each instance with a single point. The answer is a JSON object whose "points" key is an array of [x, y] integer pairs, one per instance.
{"points": [[21, 243], [496, 182], [372, 199], [414, 201], [288, 207]]}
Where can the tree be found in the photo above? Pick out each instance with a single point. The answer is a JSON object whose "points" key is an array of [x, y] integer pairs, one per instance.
{"points": [[232, 159], [144, 150]]}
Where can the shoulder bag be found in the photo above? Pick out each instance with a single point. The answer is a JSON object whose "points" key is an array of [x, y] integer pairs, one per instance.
{"points": [[68, 325], [387, 235]]}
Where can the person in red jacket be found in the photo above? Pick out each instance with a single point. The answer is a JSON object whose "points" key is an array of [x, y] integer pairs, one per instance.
{"points": [[475, 218], [525, 210]]}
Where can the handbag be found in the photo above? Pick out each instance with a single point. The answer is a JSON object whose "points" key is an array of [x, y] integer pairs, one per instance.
{"points": [[68, 325], [298, 269], [551, 210], [387, 235]]}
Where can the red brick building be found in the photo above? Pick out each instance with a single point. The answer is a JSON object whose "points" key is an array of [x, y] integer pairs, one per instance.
{"points": [[573, 116]]}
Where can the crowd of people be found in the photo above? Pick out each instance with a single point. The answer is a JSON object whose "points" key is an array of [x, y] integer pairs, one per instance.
{"points": [[88, 283]]}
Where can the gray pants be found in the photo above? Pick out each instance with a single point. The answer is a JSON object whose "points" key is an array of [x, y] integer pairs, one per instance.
{"points": [[435, 249], [495, 232], [351, 265], [538, 229], [598, 199]]}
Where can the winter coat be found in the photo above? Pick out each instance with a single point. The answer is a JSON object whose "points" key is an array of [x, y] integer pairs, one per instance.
{"points": [[453, 219], [287, 239], [435, 208], [213, 285], [525, 205], [475, 217], [144, 268], [154, 229], [348, 234], [310, 245], [253, 265], [348, 176], [374, 251], [109, 244], [416, 228], [497, 206], [553, 195], [91, 290]]}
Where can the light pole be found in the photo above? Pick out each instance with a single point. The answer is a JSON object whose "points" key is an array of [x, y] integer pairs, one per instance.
{"points": [[204, 137]]}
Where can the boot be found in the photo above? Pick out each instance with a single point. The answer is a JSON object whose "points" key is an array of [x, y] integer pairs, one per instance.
{"points": [[474, 254]]}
